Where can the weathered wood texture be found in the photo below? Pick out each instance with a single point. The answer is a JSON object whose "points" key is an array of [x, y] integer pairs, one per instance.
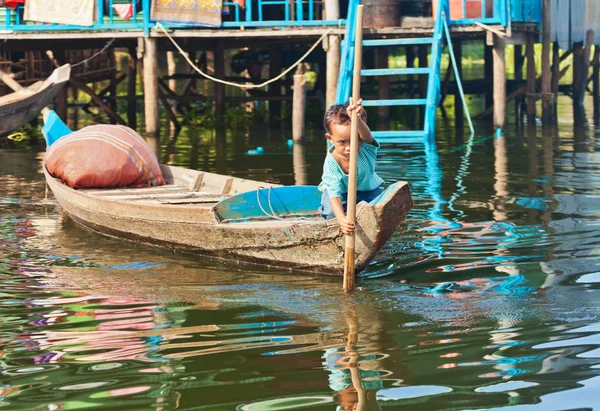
{"points": [[310, 244]]}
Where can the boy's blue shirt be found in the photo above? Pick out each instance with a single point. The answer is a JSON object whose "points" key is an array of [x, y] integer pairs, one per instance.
{"points": [[335, 181]]}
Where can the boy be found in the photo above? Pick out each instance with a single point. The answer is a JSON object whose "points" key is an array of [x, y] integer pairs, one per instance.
{"points": [[334, 184]]}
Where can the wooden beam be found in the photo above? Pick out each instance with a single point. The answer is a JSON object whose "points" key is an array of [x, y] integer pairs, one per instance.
{"points": [[84, 87], [170, 113]]}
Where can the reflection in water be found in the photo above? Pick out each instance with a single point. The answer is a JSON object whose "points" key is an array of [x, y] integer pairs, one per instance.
{"points": [[488, 300]]}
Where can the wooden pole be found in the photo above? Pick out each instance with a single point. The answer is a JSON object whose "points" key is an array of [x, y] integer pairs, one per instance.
{"points": [[299, 104], [112, 86], [150, 71], [488, 69], [332, 48], [351, 210], [219, 65], [499, 83], [547, 98], [530, 79], [131, 88], [596, 85]]}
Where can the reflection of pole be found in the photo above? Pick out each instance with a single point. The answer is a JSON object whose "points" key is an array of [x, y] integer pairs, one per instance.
{"points": [[548, 158], [300, 171], [533, 168], [353, 357], [500, 185]]}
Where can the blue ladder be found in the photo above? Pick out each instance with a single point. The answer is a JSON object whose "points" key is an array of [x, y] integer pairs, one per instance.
{"points": [[426, 134]]}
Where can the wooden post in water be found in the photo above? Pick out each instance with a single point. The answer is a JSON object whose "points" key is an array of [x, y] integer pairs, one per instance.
{"points": [[547, 97], [131, 88], [518, 61], [488, 69], [499, 83], [219, 64], [530, 79], [555, 75], [151, 112], [596, 85], [299, 104], [332, 48], [112, 86], [351, 205]]}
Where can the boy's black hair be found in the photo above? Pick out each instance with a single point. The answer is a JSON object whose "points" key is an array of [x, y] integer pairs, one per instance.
{"points": [[338, 114]]}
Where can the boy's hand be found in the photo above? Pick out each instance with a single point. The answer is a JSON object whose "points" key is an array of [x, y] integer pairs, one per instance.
{"points": [[358, 107], [346, 226]]}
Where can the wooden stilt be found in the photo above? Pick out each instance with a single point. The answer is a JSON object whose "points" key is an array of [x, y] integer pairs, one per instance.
{"points": [[112, 85], [61, 97], [488, 69], [275, 88], [332, 12], [299, 104], [547, 98], [219, 64], [555, 72], [596, 85], [530, 79], [172, 70], [518, 69], [383, 89], [151, 112], [459, 116], [131, 88], [499, 83]]}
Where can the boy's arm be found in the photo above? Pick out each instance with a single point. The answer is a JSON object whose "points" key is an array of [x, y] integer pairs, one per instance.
{"points": [[338, 209], [364, 132]]}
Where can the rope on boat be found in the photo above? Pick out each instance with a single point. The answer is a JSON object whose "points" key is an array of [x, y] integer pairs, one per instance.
{"points": [[229, 83], [273, 215]]}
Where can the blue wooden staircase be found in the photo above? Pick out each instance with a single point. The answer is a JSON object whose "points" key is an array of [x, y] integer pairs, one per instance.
{"points": [[426, 134]]}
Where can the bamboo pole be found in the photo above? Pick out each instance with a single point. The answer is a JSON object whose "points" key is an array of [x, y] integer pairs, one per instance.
{"points": [[351, 210]]}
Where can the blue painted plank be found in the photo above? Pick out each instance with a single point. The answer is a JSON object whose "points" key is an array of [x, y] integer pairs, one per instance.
{"points": [[391, 72], [395, 102], [397, 42], [279, 201]]}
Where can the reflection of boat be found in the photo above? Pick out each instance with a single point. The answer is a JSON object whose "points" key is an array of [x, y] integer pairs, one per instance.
{"points": [[22, 106], [236, 218]]}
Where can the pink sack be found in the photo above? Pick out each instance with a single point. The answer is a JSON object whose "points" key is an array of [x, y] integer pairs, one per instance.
{"points": [[103, 156]]}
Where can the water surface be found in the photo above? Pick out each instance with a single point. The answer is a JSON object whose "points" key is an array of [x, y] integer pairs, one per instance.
{"points": [[486, 298]]}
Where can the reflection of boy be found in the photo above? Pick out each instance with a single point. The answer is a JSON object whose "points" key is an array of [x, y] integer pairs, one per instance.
{"points": [[334, 184], [340, 378]]}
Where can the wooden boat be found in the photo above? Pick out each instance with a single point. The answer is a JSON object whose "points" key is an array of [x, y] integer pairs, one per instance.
{"points": [[25, 104], [236, 218]]}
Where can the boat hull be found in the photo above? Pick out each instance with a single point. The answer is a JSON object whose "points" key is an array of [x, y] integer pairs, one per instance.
{"points": [[19, 108], [309, 244]]}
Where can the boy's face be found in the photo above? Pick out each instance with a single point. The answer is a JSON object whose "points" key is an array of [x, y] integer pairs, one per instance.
{"points": [[340, 139]]}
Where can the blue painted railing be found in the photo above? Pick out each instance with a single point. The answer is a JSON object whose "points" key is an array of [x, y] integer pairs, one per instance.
{"points": [[297, 13], [303, 15]]}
